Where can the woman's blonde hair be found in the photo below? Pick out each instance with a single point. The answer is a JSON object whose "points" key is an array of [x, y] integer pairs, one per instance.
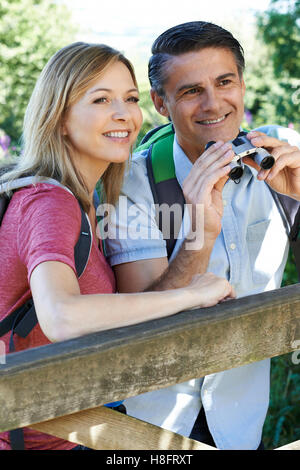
{"points": [[45, 150]]}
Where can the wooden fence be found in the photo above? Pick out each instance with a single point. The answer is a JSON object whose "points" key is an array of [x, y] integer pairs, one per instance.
{"points": [[59, 388]]}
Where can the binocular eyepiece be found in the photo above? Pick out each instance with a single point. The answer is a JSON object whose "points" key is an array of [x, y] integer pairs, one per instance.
{"points": [[242, 147]]}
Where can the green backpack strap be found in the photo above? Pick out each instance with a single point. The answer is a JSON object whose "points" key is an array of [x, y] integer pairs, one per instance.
{"points": [[167, 193]]}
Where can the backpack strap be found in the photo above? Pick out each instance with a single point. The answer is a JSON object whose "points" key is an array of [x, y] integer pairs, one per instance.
{"points": [[290, 212], [165, 188]]}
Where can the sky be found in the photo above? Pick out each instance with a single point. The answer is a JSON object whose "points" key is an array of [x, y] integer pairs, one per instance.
{"points": [[132, 25]]}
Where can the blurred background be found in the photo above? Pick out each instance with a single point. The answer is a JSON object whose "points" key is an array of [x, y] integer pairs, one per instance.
{"points": [[269, 31]]}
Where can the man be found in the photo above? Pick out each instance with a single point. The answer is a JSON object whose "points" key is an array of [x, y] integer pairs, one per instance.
{"points": [[196, 75]]}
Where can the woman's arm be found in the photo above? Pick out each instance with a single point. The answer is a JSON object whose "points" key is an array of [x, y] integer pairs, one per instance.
{"points": [[64, 313]]}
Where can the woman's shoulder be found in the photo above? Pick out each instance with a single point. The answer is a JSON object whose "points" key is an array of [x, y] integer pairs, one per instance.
{"points": [[43, 199], [45, 193]]}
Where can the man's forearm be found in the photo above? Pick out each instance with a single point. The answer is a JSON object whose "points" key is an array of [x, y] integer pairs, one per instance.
{"points": [[185, 265]]}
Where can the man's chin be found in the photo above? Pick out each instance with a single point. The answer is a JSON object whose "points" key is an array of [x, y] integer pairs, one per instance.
{"points": [[216, 134]]}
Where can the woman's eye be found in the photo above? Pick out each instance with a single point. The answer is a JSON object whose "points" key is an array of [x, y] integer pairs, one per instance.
{"points": [[133, 99], [100, 100]]}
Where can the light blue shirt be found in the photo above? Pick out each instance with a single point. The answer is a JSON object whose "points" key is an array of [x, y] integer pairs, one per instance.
{"points": [[251, 252]]}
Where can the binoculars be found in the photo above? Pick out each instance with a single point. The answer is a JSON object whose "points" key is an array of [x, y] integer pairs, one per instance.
{"points": [[242, 147]]}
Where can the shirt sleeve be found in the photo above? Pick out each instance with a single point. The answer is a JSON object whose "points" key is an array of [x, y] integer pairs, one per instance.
{"points": [[282, 133], [131, 233], [50, 221]]}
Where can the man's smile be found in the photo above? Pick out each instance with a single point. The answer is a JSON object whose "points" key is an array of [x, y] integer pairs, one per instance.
{"points": [[209, 122]]}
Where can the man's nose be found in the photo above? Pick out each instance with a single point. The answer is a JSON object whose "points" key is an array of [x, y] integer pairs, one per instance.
{"points": [[210, 101]]}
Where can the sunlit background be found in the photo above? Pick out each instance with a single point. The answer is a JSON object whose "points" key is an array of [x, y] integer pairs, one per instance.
{"points": [[133, 25]]}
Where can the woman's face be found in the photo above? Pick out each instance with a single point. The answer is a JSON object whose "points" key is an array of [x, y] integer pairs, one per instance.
{"points": [[103, 125]]}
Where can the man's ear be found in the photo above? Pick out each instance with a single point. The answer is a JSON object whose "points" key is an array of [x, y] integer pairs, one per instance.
{"points": [[159, 103]]}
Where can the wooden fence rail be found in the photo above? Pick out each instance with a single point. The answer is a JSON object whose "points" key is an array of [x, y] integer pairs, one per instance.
{"points": [[61, 379]]}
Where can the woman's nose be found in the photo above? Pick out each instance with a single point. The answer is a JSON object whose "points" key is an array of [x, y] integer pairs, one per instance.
{"points": [[120, 111]]}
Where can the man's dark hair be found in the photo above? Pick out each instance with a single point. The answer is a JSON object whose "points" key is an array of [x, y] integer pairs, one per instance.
{"points": [[189, 37]]}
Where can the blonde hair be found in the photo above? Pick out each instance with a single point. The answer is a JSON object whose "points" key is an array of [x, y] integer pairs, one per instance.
{"points": [[45, 150]]}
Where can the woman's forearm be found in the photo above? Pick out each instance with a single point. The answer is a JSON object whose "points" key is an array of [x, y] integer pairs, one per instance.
{"points": [[64, 313], [82, 314]]}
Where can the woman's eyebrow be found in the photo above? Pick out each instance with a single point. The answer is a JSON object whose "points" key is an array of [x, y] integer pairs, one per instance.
{"points": [[109, 90]]}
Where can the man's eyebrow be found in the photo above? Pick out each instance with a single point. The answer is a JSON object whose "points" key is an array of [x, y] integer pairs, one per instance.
{"points": [[109, 90], [226, 75]]}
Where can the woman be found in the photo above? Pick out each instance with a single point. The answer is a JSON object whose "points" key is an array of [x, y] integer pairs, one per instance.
{"points": [[80, 125]]}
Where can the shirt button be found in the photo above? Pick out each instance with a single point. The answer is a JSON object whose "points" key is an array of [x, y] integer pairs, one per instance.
{"points": [[224, 202], [233, 246]]}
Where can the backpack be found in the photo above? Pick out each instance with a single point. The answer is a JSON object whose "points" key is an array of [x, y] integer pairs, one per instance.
{"points": [[22, 320], [166, 189]]}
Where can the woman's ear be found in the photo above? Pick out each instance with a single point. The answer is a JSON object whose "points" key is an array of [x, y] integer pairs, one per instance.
{"points": [[64, 129]]}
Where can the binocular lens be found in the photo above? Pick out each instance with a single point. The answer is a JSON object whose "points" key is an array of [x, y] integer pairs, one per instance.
{"points": [[267, 163], [236, 173]]}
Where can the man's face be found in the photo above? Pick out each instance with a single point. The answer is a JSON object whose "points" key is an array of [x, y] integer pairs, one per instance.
{"points": [[203, 97]]}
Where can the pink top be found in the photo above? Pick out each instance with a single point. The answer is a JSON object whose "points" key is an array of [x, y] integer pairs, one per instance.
{"points": [[42, 223]]}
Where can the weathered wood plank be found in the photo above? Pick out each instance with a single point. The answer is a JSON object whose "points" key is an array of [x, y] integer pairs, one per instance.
{"points": [[104, 429], [63, 378], [292, 446]]}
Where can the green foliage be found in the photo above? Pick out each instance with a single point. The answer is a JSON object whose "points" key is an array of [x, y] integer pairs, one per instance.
{"points": [[280, 28], [30, 32], [273, 96], [271, 100], [282, 425], [273, 70]]}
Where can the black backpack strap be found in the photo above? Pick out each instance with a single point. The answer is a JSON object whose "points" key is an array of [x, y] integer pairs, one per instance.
{"points": [[83, 246], [16, 437], [290, 212]]}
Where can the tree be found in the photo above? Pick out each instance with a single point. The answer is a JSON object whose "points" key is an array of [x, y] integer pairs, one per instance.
{"points": [[30, 32], [279, 27]]}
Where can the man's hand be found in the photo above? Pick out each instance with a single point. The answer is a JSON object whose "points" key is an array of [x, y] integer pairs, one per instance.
{"points": [[204, 184], [284, 177]]}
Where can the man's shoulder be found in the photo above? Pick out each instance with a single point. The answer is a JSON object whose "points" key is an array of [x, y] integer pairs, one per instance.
{"points": [[139, 156], [282, 133], [137, 165]]}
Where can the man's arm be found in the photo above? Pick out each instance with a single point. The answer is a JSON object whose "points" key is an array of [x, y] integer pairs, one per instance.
{"points": [[157, 274], [203, 192]]}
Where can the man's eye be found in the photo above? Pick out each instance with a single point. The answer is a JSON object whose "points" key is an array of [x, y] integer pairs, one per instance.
{"points": [[225, 82], [192, 91]]}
